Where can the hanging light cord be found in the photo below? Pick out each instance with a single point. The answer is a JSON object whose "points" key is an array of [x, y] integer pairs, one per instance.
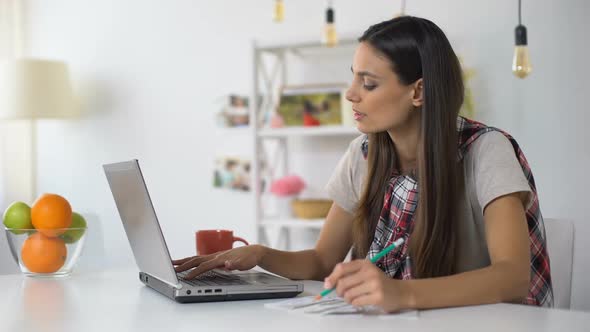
{"points": [[519, 12]]}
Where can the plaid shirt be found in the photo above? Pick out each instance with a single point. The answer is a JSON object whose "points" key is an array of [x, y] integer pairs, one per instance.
{"points": [[401, 199]]}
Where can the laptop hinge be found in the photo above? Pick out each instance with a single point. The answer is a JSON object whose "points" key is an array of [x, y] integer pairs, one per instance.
{"points": [[146, 275]]}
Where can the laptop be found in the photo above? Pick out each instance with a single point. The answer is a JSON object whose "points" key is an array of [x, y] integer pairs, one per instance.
{"points": [[153, 258]]}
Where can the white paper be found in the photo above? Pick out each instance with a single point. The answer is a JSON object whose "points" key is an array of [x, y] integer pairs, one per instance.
{"points": [[300, 302], [333, 305]]}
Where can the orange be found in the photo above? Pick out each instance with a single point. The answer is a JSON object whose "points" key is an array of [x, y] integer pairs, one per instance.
{"points": [[51, 214], [42, 254]]}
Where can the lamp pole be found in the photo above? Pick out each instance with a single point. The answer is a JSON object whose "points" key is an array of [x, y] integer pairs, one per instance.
{"points": [[33, 182]]}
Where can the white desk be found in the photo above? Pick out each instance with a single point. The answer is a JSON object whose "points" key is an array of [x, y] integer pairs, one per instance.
{"points": [[117, 301]]}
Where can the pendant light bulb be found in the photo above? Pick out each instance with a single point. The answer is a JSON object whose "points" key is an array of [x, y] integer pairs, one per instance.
{"points": [[330, 35], [279, 11], [521, 63]]}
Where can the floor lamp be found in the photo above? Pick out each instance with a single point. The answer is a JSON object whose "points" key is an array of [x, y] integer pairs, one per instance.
{"points": [[35, 89]]}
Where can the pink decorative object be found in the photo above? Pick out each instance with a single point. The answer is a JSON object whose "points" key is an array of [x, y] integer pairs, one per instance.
{"points": [[276, 121], [287, 185]]}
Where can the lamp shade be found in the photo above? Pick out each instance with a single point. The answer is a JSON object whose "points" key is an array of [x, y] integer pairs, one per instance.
{"points": [[35, 88]]}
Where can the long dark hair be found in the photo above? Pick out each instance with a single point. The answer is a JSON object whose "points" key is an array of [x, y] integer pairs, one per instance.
{"points": [[417, 48]]}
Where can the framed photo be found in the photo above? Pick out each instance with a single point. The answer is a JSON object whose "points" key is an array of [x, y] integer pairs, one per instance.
{"points": [[234, 112], [232, 173], [311, 105]]}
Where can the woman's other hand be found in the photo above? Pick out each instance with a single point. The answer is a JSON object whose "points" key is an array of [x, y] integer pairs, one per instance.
{"points": [[361, 283]]}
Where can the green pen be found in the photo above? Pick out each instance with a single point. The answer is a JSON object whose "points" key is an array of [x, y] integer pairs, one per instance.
{"points": [[374, 260]]}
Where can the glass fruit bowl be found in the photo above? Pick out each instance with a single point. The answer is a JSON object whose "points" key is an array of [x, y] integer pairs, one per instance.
{"points": [[46, 252]]}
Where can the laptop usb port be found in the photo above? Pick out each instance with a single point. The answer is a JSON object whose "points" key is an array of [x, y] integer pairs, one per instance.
{"points": [[218, 291], [208, 290]]}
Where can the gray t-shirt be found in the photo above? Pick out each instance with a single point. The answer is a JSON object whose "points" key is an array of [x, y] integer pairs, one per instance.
{"points": [[490, 170]]}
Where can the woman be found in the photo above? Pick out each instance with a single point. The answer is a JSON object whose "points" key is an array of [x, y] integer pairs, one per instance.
{"points": [[460, 193]]}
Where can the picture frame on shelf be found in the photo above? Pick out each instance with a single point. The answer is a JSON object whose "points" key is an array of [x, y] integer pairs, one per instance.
{"points": [[312, 105]]}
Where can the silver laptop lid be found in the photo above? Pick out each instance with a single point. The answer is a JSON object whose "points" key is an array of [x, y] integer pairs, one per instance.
{"points": [[139, 220]]}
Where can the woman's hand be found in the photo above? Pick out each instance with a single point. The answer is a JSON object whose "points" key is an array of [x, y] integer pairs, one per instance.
{"points": [[361, 283], [241, 258]]}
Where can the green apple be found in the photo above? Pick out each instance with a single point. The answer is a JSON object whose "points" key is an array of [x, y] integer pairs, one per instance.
{"points": [[18, 216], [73, 235]]}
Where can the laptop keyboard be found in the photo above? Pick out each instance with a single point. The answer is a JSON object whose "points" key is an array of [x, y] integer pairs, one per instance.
{"points": [[212, 278]]}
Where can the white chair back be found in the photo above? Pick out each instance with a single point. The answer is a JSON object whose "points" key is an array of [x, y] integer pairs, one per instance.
{"points": [[560, 245]]}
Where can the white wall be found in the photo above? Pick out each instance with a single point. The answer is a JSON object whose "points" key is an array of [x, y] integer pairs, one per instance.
{"points": [[150, 71]]}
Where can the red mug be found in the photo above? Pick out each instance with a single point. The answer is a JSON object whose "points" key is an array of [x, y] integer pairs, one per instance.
{"points": [[213, 240]]}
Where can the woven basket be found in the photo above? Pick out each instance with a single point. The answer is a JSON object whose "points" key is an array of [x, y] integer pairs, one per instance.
{"points": [[311, 208]]}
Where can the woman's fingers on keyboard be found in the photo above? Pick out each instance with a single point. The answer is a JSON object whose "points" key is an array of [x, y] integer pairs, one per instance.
{"points": [[193, 262], [182, 260], [204, 267]]}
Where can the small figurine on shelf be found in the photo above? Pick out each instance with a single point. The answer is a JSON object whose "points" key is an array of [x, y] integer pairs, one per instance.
{"points": [[277, 121]]}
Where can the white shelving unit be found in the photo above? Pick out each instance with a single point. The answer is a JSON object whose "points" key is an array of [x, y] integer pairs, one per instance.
{"points": [[293, 223], [269, 75], [310, 131]]}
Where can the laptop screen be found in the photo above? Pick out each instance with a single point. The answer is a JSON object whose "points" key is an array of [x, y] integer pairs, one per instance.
{"points": [[139, 220]]}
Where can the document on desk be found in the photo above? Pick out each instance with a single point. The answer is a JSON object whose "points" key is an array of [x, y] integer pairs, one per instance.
{"points": [[334, 306]]}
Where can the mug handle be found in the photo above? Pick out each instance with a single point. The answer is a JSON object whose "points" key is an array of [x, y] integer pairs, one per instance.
{"points": [[240, 240]]}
